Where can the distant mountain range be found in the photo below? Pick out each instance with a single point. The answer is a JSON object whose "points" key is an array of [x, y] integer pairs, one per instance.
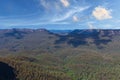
{"points": [[42, 39]]}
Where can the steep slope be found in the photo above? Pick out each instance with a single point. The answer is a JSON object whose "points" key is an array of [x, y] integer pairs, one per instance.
{"points": [[27, 70]]}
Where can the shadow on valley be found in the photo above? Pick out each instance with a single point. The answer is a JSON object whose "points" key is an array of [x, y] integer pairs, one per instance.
{"points": [[86, 37], [6, 72]]}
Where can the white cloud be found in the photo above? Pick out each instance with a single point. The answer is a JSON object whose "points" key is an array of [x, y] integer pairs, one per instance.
{"points": [[65, 3], [50, 5], [45, 4], [69, 14], [91, 26], [101, 13], [75, 18]]}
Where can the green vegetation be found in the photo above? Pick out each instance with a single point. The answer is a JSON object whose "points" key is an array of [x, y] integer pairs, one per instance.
{"points": [[41, 55], [85, 65], [26, 70]]}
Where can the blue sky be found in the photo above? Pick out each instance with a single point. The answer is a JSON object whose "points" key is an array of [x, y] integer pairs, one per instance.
{"points": [[60, 14]]}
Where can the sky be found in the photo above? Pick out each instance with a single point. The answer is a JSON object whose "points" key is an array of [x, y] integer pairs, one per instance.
{"points": [[60, 14]]}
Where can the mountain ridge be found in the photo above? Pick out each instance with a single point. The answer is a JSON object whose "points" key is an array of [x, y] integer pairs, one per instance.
{"points": [[35, 39]]}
